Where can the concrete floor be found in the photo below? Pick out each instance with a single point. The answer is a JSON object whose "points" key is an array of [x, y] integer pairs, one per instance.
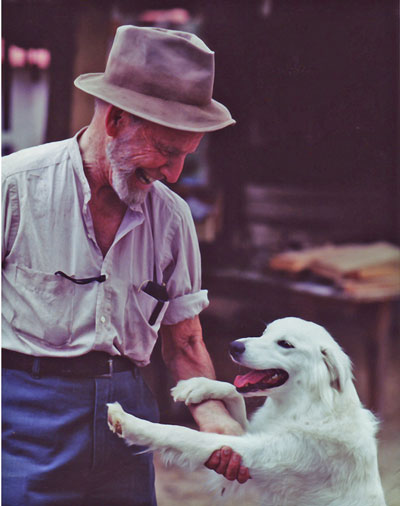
{"points": [[176, 487]]}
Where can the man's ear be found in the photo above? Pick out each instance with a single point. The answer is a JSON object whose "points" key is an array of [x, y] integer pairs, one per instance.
{"points": [[113, 120]]}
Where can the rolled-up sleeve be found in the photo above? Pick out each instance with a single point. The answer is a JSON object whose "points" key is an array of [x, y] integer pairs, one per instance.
{"points": [[187, 299], [185, 307]]}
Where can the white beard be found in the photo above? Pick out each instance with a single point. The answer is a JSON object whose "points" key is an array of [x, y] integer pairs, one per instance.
{"points": [[122, 170]]}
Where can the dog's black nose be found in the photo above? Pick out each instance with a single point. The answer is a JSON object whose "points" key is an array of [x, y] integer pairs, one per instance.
{"points": [[236, 348]]}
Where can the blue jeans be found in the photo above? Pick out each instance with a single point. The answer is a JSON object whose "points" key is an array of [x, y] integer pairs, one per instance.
{"points": [[58, 449]]}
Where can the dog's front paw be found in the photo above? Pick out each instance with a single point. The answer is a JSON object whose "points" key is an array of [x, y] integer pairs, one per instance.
{"points": [[115, 418], [127, 426], [193, 390]]}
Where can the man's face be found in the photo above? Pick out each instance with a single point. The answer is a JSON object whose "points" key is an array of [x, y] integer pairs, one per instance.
{"points": [[146, 152]]}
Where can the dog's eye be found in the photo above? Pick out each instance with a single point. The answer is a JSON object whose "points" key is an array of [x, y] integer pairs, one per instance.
{"points": [[285, 344]]}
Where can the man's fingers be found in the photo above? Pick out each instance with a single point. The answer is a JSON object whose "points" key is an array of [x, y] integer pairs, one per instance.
{"points": [[214, 460], [233, 467], [244, 474], [226, 454], [219, 460], [228, 463]]}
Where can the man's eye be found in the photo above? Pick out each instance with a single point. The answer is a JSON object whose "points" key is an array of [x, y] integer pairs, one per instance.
{"points": [[285, 344]]}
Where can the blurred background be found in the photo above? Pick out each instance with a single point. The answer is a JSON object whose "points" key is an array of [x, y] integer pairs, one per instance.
{"points": [[313, 160]]}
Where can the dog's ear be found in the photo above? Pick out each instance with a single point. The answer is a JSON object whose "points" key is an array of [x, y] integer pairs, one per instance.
{"points": [[338, 366]]}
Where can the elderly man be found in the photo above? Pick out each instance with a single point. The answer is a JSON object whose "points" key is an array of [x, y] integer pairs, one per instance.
{"points": [[98, 256]]}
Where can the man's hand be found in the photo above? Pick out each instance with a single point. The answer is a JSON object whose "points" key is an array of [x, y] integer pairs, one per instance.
{"points": [[227, 462], [212, 416]]}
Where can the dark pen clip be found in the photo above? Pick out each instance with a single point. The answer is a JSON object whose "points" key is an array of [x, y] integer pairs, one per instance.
{"points": [[81, 281], [159, 292]]}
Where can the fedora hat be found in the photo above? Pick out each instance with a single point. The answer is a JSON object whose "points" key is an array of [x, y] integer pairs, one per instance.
{"points": [[164, 76]]}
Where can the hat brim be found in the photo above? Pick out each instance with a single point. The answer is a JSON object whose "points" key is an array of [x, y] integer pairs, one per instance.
{"points": [[191, 118]]}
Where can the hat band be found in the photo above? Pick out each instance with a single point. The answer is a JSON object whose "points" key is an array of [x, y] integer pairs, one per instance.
{"points": [[193, 90]]}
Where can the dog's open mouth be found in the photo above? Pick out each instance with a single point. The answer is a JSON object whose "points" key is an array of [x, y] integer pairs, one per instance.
{"points": [[260, 380]]}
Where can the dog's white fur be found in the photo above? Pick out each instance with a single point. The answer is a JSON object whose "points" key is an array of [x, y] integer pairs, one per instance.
{"points": [[311, 443]]}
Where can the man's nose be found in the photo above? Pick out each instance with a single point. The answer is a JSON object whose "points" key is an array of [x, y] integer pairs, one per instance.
{"points": [[173, 169]]}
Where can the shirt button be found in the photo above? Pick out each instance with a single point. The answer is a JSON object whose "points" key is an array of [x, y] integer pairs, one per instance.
{"points": [[103, 319]]}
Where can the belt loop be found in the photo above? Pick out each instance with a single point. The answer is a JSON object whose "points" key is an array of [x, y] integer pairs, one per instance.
{"points": [[36, 368], [110, 370]]}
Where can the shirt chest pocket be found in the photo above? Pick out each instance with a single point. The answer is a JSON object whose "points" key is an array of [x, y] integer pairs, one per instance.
{"points": [[45, 308], [141, 307]]}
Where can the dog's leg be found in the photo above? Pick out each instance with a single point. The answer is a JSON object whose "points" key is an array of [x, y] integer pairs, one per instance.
{"points": [[183, 446], [196, 390]]}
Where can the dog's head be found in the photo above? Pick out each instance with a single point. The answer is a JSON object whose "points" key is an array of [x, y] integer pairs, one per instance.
{"points": [[292, 354]]}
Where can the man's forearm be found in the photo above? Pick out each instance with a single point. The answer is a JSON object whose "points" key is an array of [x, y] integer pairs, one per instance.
{"points": [[184, 351], [186, 356]]}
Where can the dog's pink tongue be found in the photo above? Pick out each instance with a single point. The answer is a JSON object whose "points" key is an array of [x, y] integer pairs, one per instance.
{"points": [[249, 378]]}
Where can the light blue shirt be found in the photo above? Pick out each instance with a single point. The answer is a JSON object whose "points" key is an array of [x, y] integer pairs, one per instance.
{"points": [[47, 227]]}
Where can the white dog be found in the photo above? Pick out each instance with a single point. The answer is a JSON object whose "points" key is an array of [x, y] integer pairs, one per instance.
{"points": [[310, 444]]}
